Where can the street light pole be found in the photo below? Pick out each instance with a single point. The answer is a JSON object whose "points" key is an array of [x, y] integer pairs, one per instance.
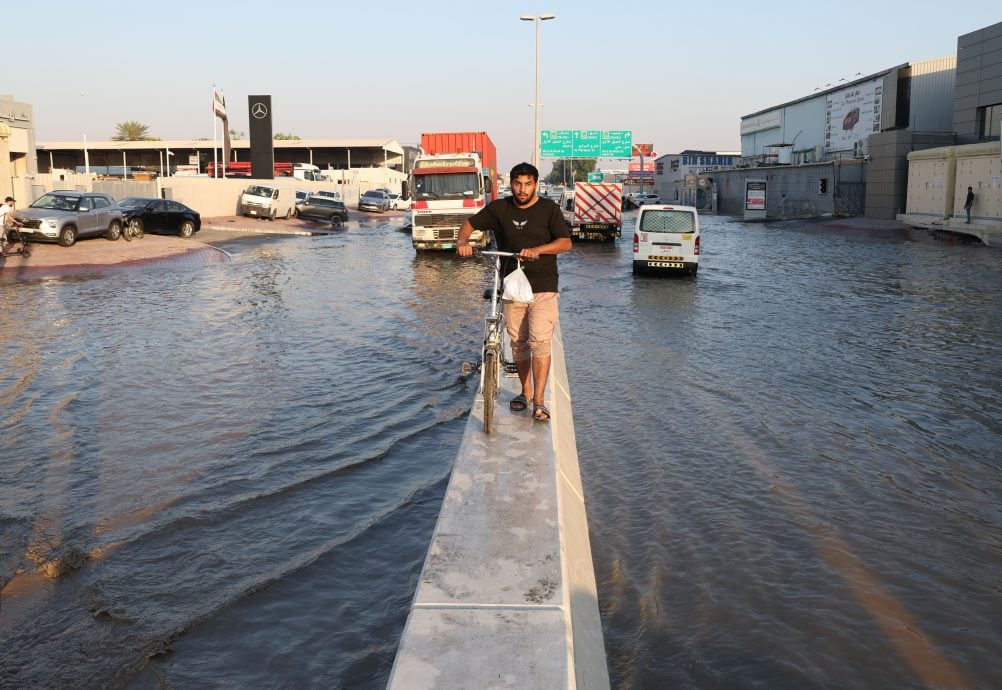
{"points": [[537, 18]]}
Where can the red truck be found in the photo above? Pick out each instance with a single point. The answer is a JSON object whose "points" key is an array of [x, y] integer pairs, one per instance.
{"points": [[454, 176]]}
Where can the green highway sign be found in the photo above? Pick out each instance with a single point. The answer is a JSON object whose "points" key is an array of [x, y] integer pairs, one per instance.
{"points": [[617, 143], [596, 176], [555, 143], [585, 143]]}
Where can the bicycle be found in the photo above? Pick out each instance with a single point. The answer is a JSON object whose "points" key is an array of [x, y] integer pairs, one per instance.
{"points": [[492, 357], [16, 238], [133, 228]]}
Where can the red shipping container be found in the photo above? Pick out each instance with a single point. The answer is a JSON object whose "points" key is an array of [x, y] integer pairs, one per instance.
{"points": [[465, 142]]}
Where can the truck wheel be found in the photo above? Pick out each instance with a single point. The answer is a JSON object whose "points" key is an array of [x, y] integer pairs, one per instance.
{"points": [[272, 215]]}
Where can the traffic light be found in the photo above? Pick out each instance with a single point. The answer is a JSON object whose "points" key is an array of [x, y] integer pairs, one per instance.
{"points": [[823, 185]]}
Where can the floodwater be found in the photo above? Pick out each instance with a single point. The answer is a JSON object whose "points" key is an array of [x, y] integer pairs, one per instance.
{"points": [[229, 476]]}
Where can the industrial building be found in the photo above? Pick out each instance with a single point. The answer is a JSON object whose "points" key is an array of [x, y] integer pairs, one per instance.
{"points": [[167, 158], [684, 177], [826, 153], [17, 143], [938, 178]]}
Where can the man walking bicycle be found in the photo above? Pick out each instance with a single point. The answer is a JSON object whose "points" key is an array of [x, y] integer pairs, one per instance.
{"points": [[7, 221], [535, 229]]}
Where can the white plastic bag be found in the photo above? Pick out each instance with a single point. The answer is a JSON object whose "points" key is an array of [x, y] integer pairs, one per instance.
{"points": [[517, 287]]}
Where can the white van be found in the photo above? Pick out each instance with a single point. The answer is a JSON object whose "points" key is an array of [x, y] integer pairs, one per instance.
{"points": [[336, 196], [666, 239], [268, 201]]}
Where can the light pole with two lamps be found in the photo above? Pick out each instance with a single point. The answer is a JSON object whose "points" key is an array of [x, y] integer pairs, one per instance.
{"points": [[537, 18]]}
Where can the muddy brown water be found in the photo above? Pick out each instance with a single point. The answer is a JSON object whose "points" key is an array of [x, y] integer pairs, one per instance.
{"points": [[231, 473]]}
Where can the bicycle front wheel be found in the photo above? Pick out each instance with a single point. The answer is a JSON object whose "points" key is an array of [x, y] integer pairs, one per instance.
{"points": [[491, 364]]}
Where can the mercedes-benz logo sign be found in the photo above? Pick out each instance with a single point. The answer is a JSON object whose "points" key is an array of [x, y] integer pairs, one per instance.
{"points": [[259, 111]]}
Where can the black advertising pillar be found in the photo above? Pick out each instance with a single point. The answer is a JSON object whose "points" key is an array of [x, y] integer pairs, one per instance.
{"points": [[261, 144]]}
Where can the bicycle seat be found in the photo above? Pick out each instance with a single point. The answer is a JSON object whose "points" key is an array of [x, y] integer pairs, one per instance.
{"points": [[489, 294]]}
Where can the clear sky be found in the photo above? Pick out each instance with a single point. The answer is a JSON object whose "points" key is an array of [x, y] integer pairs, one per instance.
{"points": [[679, 75]]}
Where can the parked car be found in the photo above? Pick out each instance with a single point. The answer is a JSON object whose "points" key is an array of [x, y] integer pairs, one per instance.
{"points": [[64, 216], [398, 203], [331, 210], [643, 198], [301, 195], [330, 195], [160, 216], [267, 200], [666, 239], [374, 200]]}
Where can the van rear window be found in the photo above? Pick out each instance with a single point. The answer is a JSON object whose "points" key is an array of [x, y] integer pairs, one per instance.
{"points": [[667, 221]]}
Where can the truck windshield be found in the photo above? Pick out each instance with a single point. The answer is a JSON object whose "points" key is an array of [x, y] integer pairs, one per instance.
{"points": [[446, 185], [255, 190]]}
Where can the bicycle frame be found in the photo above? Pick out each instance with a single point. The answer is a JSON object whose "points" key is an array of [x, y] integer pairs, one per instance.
{"points": [[492, 357]]}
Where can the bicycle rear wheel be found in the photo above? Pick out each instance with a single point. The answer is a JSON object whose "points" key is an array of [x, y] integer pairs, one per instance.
{"points": [[491, 363]]}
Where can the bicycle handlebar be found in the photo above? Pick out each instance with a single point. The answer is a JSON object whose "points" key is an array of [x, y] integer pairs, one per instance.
{"points": [[491, 252]]}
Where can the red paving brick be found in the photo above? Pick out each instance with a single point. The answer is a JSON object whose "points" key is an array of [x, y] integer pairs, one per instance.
{"points": [[99, 254]]}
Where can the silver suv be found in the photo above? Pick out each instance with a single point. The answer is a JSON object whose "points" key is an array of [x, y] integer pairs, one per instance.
{"points": [[64, 216], [644, 198], [374, 200]]}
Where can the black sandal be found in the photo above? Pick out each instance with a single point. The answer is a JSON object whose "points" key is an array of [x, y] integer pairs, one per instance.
{"points": [[540, 413], [518, 403]]}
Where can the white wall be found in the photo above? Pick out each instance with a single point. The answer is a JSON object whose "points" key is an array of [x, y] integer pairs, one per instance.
{"points": [[210, 197]]}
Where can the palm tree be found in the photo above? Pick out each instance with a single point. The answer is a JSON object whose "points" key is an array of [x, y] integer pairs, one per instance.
{"points": [[133, 130], [235, 134]]}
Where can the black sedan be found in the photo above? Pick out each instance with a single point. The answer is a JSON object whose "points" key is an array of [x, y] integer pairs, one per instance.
{"points": [[323, 208], [160, 216]]}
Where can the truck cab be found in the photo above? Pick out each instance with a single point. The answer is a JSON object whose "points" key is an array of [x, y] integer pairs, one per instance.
{"points": [[447, 189], [308, 171]]}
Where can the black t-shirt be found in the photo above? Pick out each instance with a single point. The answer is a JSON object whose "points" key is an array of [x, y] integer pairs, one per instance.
{"points": [[517, 228]]}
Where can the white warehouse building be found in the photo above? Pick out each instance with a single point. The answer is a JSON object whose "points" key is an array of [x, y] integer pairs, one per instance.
{"points": [[845, 123]]}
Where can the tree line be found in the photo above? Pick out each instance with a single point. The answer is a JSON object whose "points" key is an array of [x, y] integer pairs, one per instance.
{"points": [[133, 130]]}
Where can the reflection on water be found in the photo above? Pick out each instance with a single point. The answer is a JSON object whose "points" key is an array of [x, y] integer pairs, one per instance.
{"points": [[790, 461]]}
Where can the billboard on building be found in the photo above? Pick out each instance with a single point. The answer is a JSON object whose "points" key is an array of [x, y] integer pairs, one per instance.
{"points": [[851, 115]]}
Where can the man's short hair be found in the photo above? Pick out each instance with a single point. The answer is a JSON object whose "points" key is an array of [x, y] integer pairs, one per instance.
{"points": [[8, 199], [525, 169]]}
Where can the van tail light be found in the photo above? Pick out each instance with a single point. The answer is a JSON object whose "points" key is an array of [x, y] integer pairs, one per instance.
{"points": [[636, 244], [696, 246]]}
